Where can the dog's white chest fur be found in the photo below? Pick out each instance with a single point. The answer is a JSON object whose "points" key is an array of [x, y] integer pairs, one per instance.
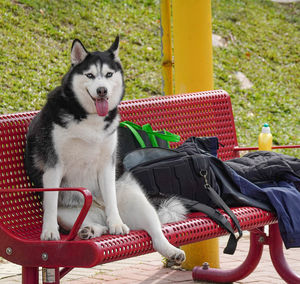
{"points": [[84, 149]]}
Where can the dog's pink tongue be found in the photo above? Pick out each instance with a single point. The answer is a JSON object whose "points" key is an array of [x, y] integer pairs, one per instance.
{"points": [[102, 106]]}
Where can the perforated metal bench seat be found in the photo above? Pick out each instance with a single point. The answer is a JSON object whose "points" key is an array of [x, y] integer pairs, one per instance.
{"points": [[200, 114], [23, 228]]}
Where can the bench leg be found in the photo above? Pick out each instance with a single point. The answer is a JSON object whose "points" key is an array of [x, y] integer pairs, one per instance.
{"points": [[64, 271], [30, 275], [232, 275], [277, 256]]}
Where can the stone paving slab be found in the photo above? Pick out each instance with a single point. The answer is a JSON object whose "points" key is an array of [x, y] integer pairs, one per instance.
{"points": [[148, 269]]}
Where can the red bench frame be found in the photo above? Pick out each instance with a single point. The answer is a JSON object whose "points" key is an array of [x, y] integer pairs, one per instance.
{"points": [[199, 114]]}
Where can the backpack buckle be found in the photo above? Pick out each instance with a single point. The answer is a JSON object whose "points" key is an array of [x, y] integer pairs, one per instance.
{"points": [[203, 173]]}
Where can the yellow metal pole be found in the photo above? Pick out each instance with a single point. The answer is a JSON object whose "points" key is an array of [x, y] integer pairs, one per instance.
{"points": [[192, 45], [192, 32], [166, 46]]}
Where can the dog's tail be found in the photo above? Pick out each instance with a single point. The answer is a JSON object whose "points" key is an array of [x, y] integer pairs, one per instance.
{"points": [[171, 210]]}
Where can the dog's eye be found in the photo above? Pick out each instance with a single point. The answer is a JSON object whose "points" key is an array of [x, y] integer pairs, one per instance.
{"points": [[108, 74], [90, 75]]}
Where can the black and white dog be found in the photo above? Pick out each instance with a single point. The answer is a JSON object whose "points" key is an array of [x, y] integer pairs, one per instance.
{"points": [[72, 142]]}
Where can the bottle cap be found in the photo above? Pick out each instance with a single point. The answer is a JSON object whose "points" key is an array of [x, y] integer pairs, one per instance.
{"points": [[266, 128]]}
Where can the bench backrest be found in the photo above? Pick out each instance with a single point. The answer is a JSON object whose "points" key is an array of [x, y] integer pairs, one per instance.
{"points": [[199, 114]]}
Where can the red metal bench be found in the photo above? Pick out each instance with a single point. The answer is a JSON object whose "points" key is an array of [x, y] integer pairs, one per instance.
{"points": [[200, 114]]}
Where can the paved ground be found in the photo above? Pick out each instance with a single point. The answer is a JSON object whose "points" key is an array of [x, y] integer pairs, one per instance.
{"points": [[147, 269]]}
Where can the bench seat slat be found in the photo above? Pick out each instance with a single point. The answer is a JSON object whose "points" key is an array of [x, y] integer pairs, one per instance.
{"points": [[108, 248]]}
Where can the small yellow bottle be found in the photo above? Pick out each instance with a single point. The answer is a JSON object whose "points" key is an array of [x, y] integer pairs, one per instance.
{"points": [[265, 139]]}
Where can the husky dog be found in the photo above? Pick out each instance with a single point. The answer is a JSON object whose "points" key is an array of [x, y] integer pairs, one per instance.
{"points": [[72, 142]]}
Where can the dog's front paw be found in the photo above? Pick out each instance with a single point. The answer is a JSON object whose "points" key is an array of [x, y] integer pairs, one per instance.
{"points": [[118, 228], [50, 233]]}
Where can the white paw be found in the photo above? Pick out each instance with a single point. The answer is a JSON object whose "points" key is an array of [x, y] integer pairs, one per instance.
{"points": [[118, 228], [178, 256], [170, 252], [92, 231], [50, 233]]}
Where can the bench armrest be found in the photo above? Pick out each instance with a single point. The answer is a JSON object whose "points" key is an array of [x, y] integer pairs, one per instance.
{"points": [[88, 199], [273, 147]]}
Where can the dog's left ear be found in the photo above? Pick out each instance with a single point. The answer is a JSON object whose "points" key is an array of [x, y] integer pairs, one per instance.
{"points": [[114, 49], [78, 52]]}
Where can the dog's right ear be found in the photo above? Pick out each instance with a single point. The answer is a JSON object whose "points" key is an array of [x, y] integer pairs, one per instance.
{"points": [[78, 52]]}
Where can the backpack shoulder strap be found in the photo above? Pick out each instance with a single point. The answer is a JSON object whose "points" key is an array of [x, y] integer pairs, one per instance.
{"points": [[201, 163], [216, 216], [220, 202]]}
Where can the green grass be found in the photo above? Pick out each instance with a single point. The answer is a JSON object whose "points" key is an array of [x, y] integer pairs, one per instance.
{"points": [[36, 36], [264, 46]]}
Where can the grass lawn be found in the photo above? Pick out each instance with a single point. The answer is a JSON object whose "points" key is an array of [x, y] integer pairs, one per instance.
{"points": [[263, 43]]}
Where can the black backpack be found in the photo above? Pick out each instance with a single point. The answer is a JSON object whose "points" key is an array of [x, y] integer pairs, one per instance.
{"points": [[200, 179]]}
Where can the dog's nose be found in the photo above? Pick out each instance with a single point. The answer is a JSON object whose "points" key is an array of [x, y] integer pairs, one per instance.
{"points": [[101, 91]]}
